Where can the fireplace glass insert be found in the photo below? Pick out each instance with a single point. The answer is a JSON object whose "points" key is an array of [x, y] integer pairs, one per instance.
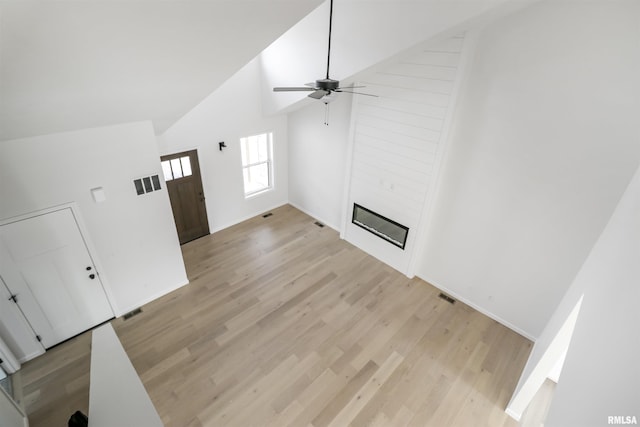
{"points": [[382, 227]]}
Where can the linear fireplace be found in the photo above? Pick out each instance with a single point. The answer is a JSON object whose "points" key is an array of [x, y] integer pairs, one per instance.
{"points": [[382, 227]]}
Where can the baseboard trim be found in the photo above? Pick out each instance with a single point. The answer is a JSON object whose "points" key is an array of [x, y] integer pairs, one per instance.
{"points": [[122, 311], [481, 310], [512, 414], [245, 218], [312, 215], [30, 356]]}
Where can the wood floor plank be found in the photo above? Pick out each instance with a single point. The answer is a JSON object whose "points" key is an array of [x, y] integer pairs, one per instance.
{"points": [[344, 395], [284, 324], [367, 391]]}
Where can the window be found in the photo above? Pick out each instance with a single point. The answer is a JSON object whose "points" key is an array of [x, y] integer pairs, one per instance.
{"points": [[257, 163], [176, 168]]}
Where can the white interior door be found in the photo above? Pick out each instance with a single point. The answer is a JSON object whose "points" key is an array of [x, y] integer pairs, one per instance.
{"points": [[47, 267], [15, 330]]}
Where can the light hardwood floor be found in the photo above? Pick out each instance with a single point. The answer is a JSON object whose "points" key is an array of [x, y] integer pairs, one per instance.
{"points": [[284, 324]]}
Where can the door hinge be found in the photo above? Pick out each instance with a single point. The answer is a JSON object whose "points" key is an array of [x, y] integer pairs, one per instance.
{"points": [[14, 298], [39, 338]]}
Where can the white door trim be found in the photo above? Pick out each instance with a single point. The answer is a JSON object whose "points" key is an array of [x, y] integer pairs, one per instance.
{"points": [[9, 361], [84, 233]]}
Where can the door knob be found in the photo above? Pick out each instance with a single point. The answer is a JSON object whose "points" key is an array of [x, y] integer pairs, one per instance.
{"points": [[92, 276]]}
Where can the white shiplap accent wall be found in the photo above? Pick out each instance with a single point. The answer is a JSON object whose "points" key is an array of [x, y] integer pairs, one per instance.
{"points": [[396, 141]]}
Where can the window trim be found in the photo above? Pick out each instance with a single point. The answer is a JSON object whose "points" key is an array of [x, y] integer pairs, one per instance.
{"points": [[268, 162]]}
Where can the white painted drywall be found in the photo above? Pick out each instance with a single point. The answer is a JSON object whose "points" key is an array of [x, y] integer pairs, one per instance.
{"points": [[116, 393], [397, 138], [134, 237], [548, 364], [10, 414], [554, 375], [601, 373], [403, 124], [317, 158], [230, 113], [544, 142]]}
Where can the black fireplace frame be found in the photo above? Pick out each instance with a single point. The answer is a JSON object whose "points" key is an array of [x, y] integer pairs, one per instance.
{"points": [[378, 233]]}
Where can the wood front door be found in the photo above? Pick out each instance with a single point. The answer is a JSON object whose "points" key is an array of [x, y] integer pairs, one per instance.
{"points": [[182, 175], [49, 274]]}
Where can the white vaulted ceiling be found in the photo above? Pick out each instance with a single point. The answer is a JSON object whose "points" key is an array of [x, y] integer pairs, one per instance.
{"points": [[365, 34], [76, 64], [67, 65]]}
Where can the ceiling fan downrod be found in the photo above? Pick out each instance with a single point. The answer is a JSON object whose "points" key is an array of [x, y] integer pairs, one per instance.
{"points": [[323, 88], [329, 47]]}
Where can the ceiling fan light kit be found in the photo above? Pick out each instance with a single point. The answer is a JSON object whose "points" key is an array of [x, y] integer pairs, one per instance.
{"points": [[323, 89]]}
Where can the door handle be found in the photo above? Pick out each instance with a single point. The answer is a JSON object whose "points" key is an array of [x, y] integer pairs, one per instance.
{"points": [[14, 298], [92, 276]]}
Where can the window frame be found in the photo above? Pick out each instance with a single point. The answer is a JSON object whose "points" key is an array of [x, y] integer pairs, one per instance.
{"points": [[269, 162], [181, 163]]}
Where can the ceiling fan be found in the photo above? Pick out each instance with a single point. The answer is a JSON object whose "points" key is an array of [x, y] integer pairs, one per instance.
{"points": [[323, 88]]}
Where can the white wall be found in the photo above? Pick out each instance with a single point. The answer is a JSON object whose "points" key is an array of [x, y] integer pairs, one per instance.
{"points": [[134, 237], [397, 140], [231, 112], [317, 158], [116, 393], [382, 152], [601, 373], [547, 358], [545, 140], [10, 414]]}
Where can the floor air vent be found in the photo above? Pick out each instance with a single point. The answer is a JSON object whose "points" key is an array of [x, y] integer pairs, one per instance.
{"points": [[130, 314], [267, 215], [447, 298]]}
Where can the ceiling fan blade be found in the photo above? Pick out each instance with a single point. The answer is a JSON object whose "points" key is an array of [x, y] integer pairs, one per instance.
{"points": [[292, 89], [318, 94], [313, 84], [350, 87], [356, 93]]}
